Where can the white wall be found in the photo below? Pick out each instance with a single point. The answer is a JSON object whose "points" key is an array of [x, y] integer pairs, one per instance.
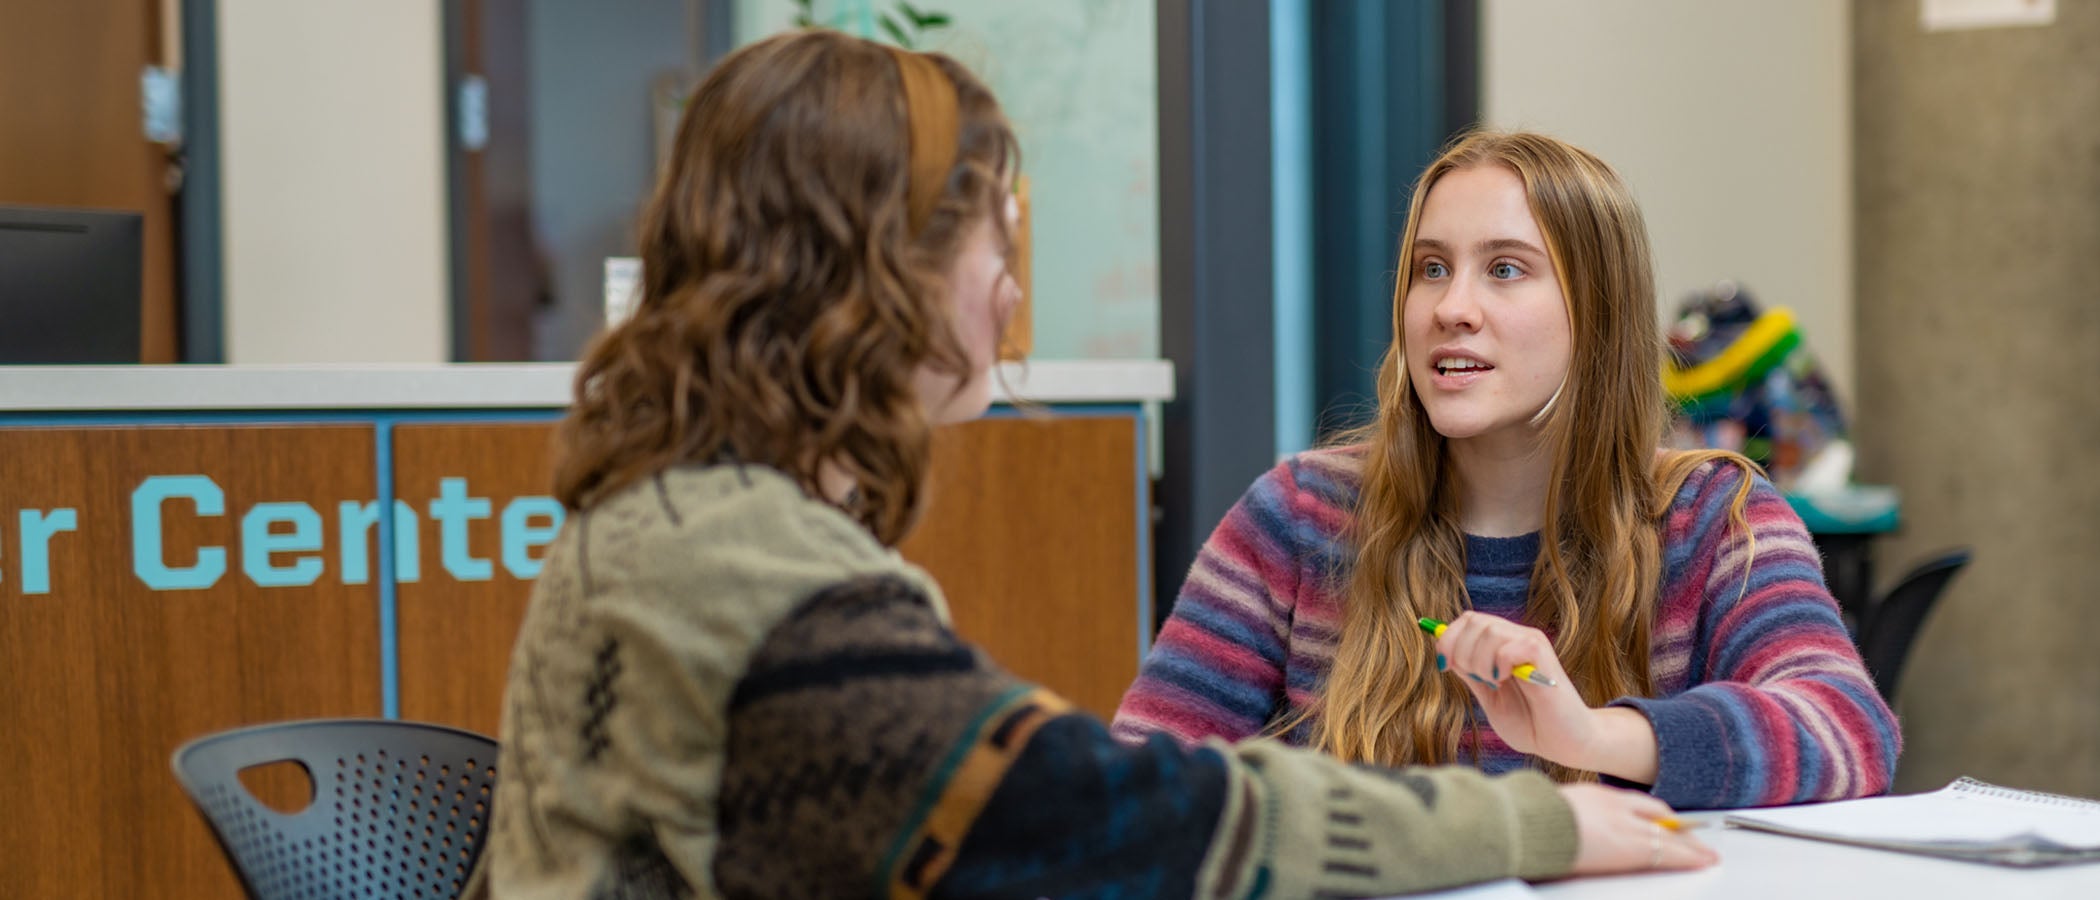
{"points": [[332, 143], [1731, 119]]}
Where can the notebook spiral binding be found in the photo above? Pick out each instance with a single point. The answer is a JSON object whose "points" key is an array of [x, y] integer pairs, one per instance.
{"points": [[1971, 786]]}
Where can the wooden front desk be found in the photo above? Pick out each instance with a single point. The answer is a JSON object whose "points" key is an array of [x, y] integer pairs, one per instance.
{"points": [[170, 572]]}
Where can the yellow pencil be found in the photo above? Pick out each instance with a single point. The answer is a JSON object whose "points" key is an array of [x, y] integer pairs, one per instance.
{"points": [[1523, 671], [1676, 824]]}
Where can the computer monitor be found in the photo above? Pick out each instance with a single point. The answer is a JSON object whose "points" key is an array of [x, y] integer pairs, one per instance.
{"points": [[69, 285]]}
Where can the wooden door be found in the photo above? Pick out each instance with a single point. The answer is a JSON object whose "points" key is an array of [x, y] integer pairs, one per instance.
{"points": [[503, 276], [71, 132]]}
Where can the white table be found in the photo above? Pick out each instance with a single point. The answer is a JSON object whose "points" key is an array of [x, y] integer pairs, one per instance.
{"points": [[1759, 866]]}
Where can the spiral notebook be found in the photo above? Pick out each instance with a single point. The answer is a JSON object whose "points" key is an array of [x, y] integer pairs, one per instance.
{"points": [[1967, 820]]}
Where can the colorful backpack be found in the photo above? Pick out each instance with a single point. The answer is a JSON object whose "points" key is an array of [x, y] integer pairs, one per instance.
{"points": [[1744, 380]]}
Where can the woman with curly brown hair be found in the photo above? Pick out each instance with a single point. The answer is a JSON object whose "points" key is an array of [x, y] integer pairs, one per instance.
{"points": [[728, 683]]}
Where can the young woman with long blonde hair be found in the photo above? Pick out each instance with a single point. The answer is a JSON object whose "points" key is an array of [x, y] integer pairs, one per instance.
{"points": [[1512, 485]]}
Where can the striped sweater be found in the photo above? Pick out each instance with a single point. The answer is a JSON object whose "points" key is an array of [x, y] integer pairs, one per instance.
{"points": [[1761, 698]]}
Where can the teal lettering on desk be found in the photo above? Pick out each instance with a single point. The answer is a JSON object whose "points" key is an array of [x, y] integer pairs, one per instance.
{"points": [[147, 559], [280, 543], [260, 541], [521, 536], [453, 509], [356, 521], [35, 530]]}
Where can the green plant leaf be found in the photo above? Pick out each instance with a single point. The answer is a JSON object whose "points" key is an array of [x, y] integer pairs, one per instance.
{"points": [[921, 18], [924, 21], [896, 32]]}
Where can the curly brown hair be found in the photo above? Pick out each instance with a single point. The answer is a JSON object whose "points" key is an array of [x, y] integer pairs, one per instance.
{"points": [[793, 276]]}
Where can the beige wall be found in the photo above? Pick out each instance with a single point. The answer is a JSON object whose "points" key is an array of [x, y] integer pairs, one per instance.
{"points": [[1979, 214], [332, 148], [1732, 121]]}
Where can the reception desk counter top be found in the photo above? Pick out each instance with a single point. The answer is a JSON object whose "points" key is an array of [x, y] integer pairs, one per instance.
{"points": [[461, 386]]}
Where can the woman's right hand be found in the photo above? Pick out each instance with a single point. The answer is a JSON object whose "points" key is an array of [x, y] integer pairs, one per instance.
{"points": [[1616, 832]]}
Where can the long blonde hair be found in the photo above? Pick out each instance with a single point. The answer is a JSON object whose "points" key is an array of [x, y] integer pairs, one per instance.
{"points": [[1594, 586]]}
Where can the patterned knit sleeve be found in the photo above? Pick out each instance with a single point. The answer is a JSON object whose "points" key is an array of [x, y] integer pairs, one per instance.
{"points": [[872, 753], [1776, 706], [1216, 668]]}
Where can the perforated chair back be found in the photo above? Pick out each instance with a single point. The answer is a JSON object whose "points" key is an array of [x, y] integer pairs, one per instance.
{"points": [[400, 809]]}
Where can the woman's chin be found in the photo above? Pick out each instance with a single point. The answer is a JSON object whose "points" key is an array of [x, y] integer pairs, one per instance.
{"points": [[1467, 428], [1456, 428]]}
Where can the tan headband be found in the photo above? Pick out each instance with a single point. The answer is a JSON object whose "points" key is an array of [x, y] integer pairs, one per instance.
{"points": [[930, 105]]}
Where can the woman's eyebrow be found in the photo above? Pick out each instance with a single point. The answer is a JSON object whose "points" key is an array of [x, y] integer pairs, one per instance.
{"points": [[1501, 245], [1489, 246]]}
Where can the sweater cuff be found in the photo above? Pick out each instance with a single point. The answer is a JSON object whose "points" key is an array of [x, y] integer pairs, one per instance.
{"points": [[1691, 751], [1309, 825], [1546, 836]]}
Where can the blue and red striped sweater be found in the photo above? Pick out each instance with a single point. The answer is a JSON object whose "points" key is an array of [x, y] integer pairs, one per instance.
{"points": [[1761, 698]]}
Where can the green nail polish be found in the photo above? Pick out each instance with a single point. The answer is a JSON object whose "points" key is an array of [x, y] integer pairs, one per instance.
{"points": [[1440, 662]]}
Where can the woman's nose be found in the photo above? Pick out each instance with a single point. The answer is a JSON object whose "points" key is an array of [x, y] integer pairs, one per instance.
{"points": [[1458, 307]]}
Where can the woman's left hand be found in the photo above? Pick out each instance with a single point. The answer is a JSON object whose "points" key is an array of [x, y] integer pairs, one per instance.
{"points": [[1550, 722]]}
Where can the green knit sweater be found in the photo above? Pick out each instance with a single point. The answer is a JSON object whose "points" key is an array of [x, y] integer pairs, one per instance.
{"points": [[724, 688]]}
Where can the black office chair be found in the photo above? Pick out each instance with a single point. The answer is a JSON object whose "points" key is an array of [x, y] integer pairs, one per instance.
{"points": [[400, 809], [1892, 624]]}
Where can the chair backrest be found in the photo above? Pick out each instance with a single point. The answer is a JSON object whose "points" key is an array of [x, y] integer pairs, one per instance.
{"points": [[400, 809], [1893, 623]]}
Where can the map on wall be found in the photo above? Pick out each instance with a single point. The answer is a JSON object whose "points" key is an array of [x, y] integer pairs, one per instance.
{"points": [[1078, 79]]}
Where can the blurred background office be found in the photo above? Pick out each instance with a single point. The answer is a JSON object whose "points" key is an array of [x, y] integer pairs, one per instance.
{"points": [[1219, 183]]}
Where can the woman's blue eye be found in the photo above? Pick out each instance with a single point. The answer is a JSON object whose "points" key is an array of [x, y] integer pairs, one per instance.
{"points": [[1505, 270], [1433, 270]]}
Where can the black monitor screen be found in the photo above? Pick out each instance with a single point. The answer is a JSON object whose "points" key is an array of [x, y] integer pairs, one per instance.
{"points": [[69, 285]]}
